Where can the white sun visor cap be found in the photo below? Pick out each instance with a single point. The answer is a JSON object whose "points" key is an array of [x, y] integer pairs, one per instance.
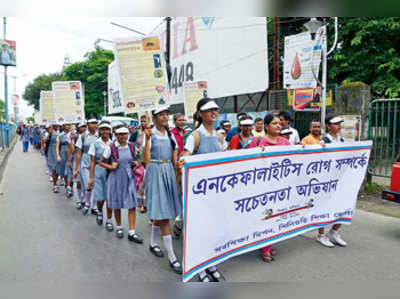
{"points": [[209, 105], [336, 120], [122, 130], [247, 122], [105, 126], [82, 124], [48, 126], [286, 131], [92, 121], [160, 109]]}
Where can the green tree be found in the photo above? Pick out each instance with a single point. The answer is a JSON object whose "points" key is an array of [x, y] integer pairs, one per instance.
{"points": [[92, 72], [42, 82]]}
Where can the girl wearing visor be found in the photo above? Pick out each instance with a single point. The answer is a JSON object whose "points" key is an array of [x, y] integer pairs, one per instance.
{"points": [[62, 156], [245, 138], [120, 159], [98, 174], [51, 155], [82, 164], [206, 140], [163, 202]]}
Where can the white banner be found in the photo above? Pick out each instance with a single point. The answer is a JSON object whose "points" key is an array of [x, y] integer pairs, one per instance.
{"points": [[302, 56], [46, 103], [239, 201], [231, 54], [69, 101], [115, 103]]}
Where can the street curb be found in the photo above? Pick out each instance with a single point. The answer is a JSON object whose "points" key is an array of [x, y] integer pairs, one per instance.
{"points": [[3, 163]]}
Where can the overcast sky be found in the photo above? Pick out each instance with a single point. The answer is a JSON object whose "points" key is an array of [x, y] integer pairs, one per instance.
{"points": [[43, 42]]}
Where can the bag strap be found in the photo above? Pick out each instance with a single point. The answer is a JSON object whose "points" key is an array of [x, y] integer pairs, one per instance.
{"points": [[132, 149], [196, 136], [114, 152]]}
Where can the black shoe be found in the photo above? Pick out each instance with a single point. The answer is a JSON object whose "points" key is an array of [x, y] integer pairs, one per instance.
{"points": [[94, 211], [176, 266], [119, 233], [78, 205], [135, 238], [99, 220], [216, 275], [85, 211], [109, 226], [156, 250]]}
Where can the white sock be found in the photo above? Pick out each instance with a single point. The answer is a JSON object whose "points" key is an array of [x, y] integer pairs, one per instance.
{"points": [[109, 221], [168, 246], [155, 232], [131, 232], [88, 194]]}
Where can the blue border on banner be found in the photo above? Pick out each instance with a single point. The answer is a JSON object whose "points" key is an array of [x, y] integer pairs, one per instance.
{"points": [[266, 154]]}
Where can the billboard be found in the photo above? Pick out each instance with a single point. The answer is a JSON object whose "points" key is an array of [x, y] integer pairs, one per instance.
{"points": [[8, 52], [69, 101], [302, 59], [46, 101], [142, 72], [230, 54]]}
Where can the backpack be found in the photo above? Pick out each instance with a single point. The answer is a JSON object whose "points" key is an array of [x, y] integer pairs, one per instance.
{"points": [[196, 136]]}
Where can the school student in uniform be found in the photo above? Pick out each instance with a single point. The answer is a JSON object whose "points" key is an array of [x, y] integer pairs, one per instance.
{"points": [[98, 174], [51, 154], [82, 164], [119, 158], [163, 202], [62, 155], [25, 138], [206, 140], [333, 125], [73, 151]]}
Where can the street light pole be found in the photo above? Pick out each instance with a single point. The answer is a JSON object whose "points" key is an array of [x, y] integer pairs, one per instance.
{"points": [[6, 87]]}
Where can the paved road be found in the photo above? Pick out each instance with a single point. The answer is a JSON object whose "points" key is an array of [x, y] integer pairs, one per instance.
{"points": [[43, 238]]}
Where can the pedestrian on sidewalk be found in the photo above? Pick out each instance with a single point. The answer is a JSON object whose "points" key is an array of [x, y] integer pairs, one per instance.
{"points": [[25, 135], [206, 140], [98, 174], [82, 164], [163, 202], [120, 159]]}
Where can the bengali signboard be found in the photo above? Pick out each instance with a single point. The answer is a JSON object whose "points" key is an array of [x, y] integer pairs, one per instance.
{"points": [[69, 101], [194, 91], [8, 52], [115, 104], [253, 198], [302, 59], [46, 103], [142, 72], [231, 54]]}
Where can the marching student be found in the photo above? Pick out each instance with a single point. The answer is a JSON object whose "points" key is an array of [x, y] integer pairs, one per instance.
{"points": [[25, 138], [120, 159], [98, 174], [73, 151], [51, 154], [82, 164], [333, 125], [163, 202], [244, 139], [206, 140], [272, 127], [62, 156]]}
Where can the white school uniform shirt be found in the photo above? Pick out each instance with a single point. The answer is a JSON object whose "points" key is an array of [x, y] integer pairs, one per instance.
{"points": [[161, 136], [107, 150], [79, 141], [334, 140], [105, 145], [189, 145], [294, 137]]}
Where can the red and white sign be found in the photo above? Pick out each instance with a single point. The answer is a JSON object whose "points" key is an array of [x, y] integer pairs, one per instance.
{"points": [[15, 99]]}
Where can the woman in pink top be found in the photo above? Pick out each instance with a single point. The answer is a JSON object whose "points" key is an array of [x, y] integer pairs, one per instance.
{"points": [[272, 126]]}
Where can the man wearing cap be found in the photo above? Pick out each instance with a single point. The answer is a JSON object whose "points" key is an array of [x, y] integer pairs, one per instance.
{"points": [[235, 130], [285, 118], [82, 164], [286, 133], [333, 126]]}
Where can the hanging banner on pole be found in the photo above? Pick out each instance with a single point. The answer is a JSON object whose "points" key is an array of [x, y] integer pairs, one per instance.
{"points": [[240, 201], [194, 91], [69, 101], [8, 52], [303, 59], [115, 104], [142, 71], [307, 99], [231, 54], [46, 101]]}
